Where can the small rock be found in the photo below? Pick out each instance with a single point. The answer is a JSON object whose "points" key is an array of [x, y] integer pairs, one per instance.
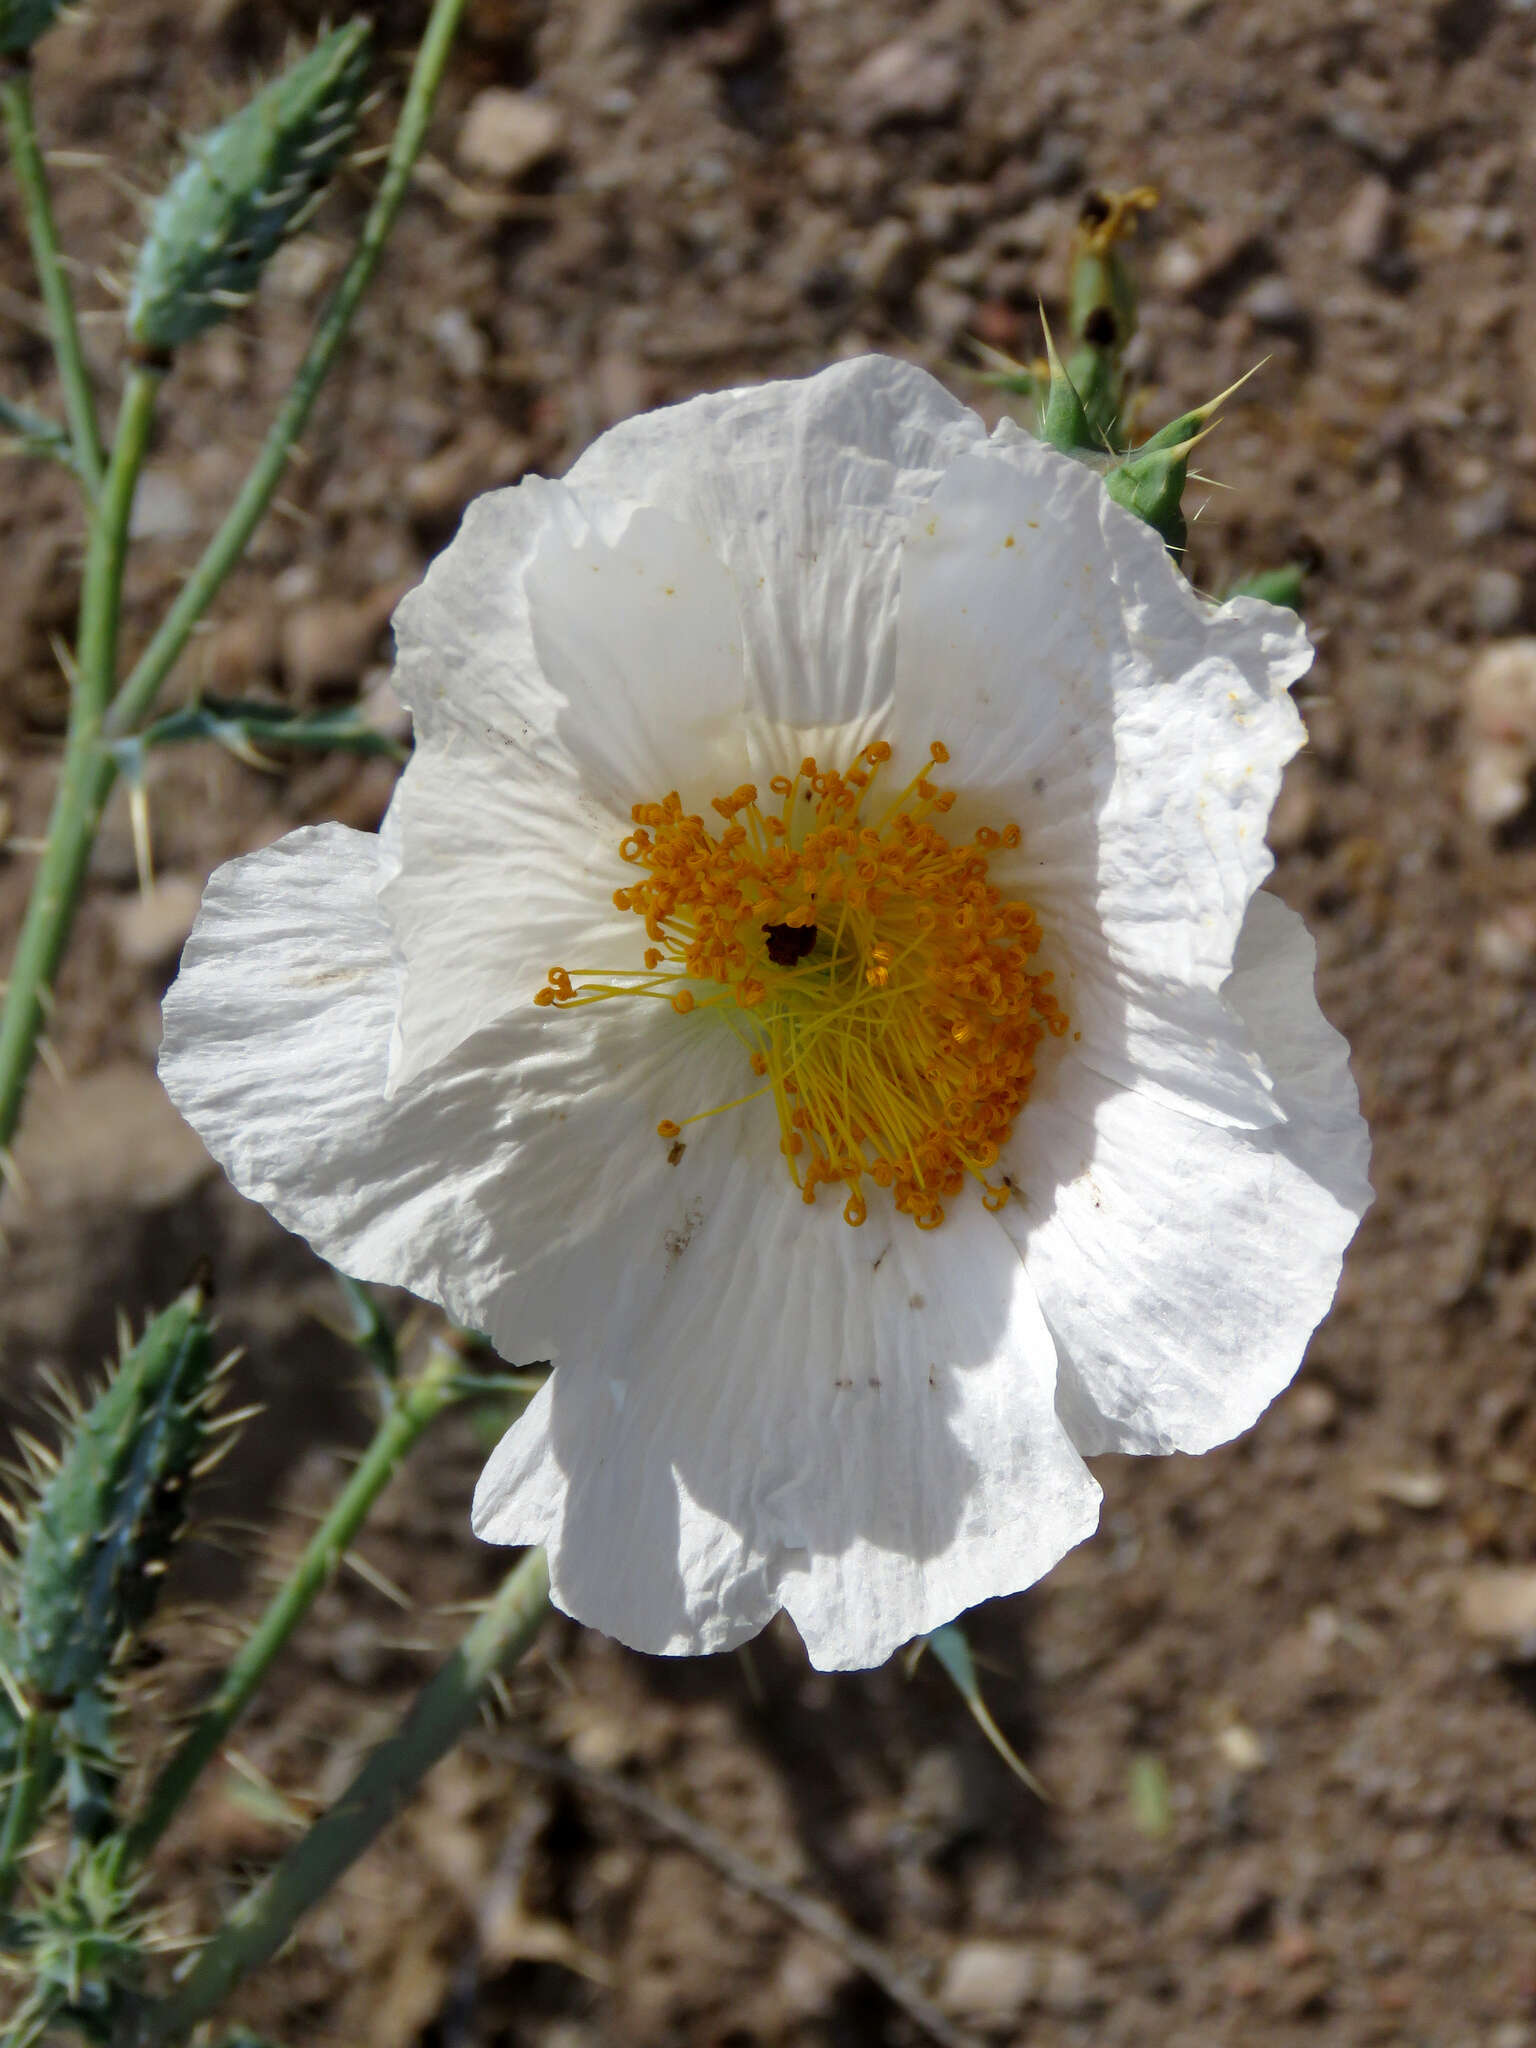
{"points": [[990, 1979], [238, 657], [460, 342], [1068, 1987], [356, 1655], [110, 1138], [1422, 1490], [1313, 1407], [163, 509], [911, 79], [1498, 1605], [1369, 224], [944, 313], [505, 134], [1241, 1748], [1213, 261], [1501, 730], [1272, 303], [1482, 515], [886, 267], [1506, 943], [302, 268], [328, 644], [151, 930], [1498, 597], [480, 458]]}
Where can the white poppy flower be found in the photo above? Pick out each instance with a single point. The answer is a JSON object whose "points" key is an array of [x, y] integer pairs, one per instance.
{"points": [[863, 1149]]}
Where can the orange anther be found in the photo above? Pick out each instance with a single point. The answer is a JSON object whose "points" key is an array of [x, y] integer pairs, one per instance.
{"points": [[667, 1129]]}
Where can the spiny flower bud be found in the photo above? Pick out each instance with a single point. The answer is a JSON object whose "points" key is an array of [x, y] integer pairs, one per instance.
{"points": [[23, 21], [246, 187], [1150, 481], [97, 1541]]}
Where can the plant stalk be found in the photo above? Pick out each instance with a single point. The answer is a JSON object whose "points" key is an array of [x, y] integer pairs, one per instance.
{"points": [[138, 693], [32, 177], [410, 1413], [442, 1713], [89, 769], [33, 1780], [85, 780]]}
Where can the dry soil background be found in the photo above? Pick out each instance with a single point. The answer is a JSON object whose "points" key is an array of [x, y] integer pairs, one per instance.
{"points": [[1292, 1636]]}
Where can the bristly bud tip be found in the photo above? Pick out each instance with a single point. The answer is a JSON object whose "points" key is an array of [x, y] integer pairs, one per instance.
{"points": [[106, 1519], [244, 189]]}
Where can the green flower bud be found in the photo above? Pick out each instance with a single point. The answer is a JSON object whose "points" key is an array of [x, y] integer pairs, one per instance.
{"points": [[23, 21], [1063, 421], [1150, 482], [97, 1540], [244, 189]]}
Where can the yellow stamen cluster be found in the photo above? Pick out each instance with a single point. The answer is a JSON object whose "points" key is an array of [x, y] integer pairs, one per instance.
{"points": [[878, 980]]}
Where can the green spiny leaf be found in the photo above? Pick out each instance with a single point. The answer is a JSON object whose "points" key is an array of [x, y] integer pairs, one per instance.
{"points": [[23, 21], [246, 725], [953, 1651], [104, 1523], [85, 1948], [1281, 586], [246, 187]]}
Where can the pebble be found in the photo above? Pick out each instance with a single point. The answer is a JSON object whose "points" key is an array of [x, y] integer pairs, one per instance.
{"points": [[1498, 1605], [1424, 1491], [1312, 1406], [460, 343], [911, 79], [1068, 1987], [478, 459], [151, 930], [1500, 692], [1369, 223], [328, 644], [886, 267], [990, 1979], [1272, 303], [110, 1138], [1482, 515], [1498, 597], [163, 509], [237, 658], [944, 312], [505, 134], [1506, 942]]}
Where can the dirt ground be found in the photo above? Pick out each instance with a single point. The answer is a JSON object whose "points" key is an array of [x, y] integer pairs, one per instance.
{"points": [[1291, 1748]]}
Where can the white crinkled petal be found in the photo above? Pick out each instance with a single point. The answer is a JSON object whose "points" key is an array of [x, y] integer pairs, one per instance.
{"points": [[710, 595], [1181, 1266], [481, 1186], [804, 489], [857, 1425], [1136, 736], [495, 871]]}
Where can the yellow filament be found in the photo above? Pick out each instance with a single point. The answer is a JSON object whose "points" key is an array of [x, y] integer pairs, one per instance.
{"points": [[877, 979]]}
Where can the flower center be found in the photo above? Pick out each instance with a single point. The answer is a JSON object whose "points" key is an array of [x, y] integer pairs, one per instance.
{"points": [[878, 981]]}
